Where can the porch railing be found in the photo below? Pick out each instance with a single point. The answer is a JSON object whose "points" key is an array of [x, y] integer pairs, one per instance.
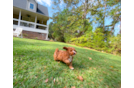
{"points": [[29, 24]]}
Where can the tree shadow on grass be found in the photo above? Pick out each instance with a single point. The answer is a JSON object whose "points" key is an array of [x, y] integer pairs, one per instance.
{"points": [[74, 64]]}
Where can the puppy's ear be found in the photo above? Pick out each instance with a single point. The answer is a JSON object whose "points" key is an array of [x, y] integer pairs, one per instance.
{"points": [[65, 48]]}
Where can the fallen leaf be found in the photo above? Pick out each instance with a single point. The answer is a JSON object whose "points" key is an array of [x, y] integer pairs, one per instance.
{"points": [[46, 80], [73, 87], [65, 87], [92, 82], [80, 78], [100, 79], [104, 72], [89, 58], [111, 66], [95, 68]]}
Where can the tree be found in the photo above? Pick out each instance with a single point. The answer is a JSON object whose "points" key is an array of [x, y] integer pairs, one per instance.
{"points": [[74, 23], [59, 27], [114, 13]]}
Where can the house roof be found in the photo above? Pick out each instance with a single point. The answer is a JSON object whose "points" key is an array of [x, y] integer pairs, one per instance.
{"points": [[23, 4]]}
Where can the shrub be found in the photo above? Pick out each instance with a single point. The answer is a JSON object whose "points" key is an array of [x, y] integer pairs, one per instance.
{"points": [[96, 41]]}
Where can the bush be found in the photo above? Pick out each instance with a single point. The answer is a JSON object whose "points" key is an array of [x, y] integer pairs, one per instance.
{"points": [[96, 41]]}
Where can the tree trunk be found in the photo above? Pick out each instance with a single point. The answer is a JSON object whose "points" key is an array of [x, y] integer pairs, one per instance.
{"points": [[120, 25], [84, 17], [104, 17]]}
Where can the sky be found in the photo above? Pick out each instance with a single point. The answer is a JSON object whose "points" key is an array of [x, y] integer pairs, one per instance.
{"points": [[49, 5]]}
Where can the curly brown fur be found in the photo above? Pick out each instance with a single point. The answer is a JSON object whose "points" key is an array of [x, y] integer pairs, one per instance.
{"points": [[65, 56]]}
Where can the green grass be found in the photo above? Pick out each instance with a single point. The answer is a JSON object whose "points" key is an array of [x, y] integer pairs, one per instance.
{"points": [[33, 63]]}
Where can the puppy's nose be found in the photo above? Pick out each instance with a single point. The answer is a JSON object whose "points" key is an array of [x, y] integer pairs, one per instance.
{"points": [[74, 53]]}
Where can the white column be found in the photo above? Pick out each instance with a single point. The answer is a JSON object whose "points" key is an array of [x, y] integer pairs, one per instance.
{"points": [[19, 18], [35, 22], [47, 32]]}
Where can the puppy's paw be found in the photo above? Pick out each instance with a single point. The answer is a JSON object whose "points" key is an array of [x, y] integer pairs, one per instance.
{"points": [[72, 68]]}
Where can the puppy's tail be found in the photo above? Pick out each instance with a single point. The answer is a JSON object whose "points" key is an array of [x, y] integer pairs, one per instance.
{"points": [[56, 53]]}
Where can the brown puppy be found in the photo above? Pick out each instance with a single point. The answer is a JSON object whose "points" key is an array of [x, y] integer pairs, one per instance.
{"points": [[65, 56]]}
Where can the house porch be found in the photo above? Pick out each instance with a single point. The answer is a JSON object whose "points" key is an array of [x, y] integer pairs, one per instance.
{"points": [[34, 24]]}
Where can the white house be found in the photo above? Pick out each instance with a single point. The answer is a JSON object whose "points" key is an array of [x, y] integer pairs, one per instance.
{"points": [[32, 18]]}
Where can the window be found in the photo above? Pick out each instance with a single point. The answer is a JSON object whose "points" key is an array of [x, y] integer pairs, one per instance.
{"points": [[31, 6]]}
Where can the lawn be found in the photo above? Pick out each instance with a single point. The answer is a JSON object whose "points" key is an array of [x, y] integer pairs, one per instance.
{"points": [[34, 67]]}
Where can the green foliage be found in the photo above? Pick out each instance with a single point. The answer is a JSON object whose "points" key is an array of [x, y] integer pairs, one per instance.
{"points": [[74, 24], [115, 44], [97, 41], [59, 30]]}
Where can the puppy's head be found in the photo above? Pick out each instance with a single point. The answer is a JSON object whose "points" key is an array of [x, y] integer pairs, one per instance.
{"points": [[70, 50]]}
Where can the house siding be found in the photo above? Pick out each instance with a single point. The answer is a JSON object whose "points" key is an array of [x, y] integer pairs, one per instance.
{"points": [[42, 10], [20, 3], [23, 4]]}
